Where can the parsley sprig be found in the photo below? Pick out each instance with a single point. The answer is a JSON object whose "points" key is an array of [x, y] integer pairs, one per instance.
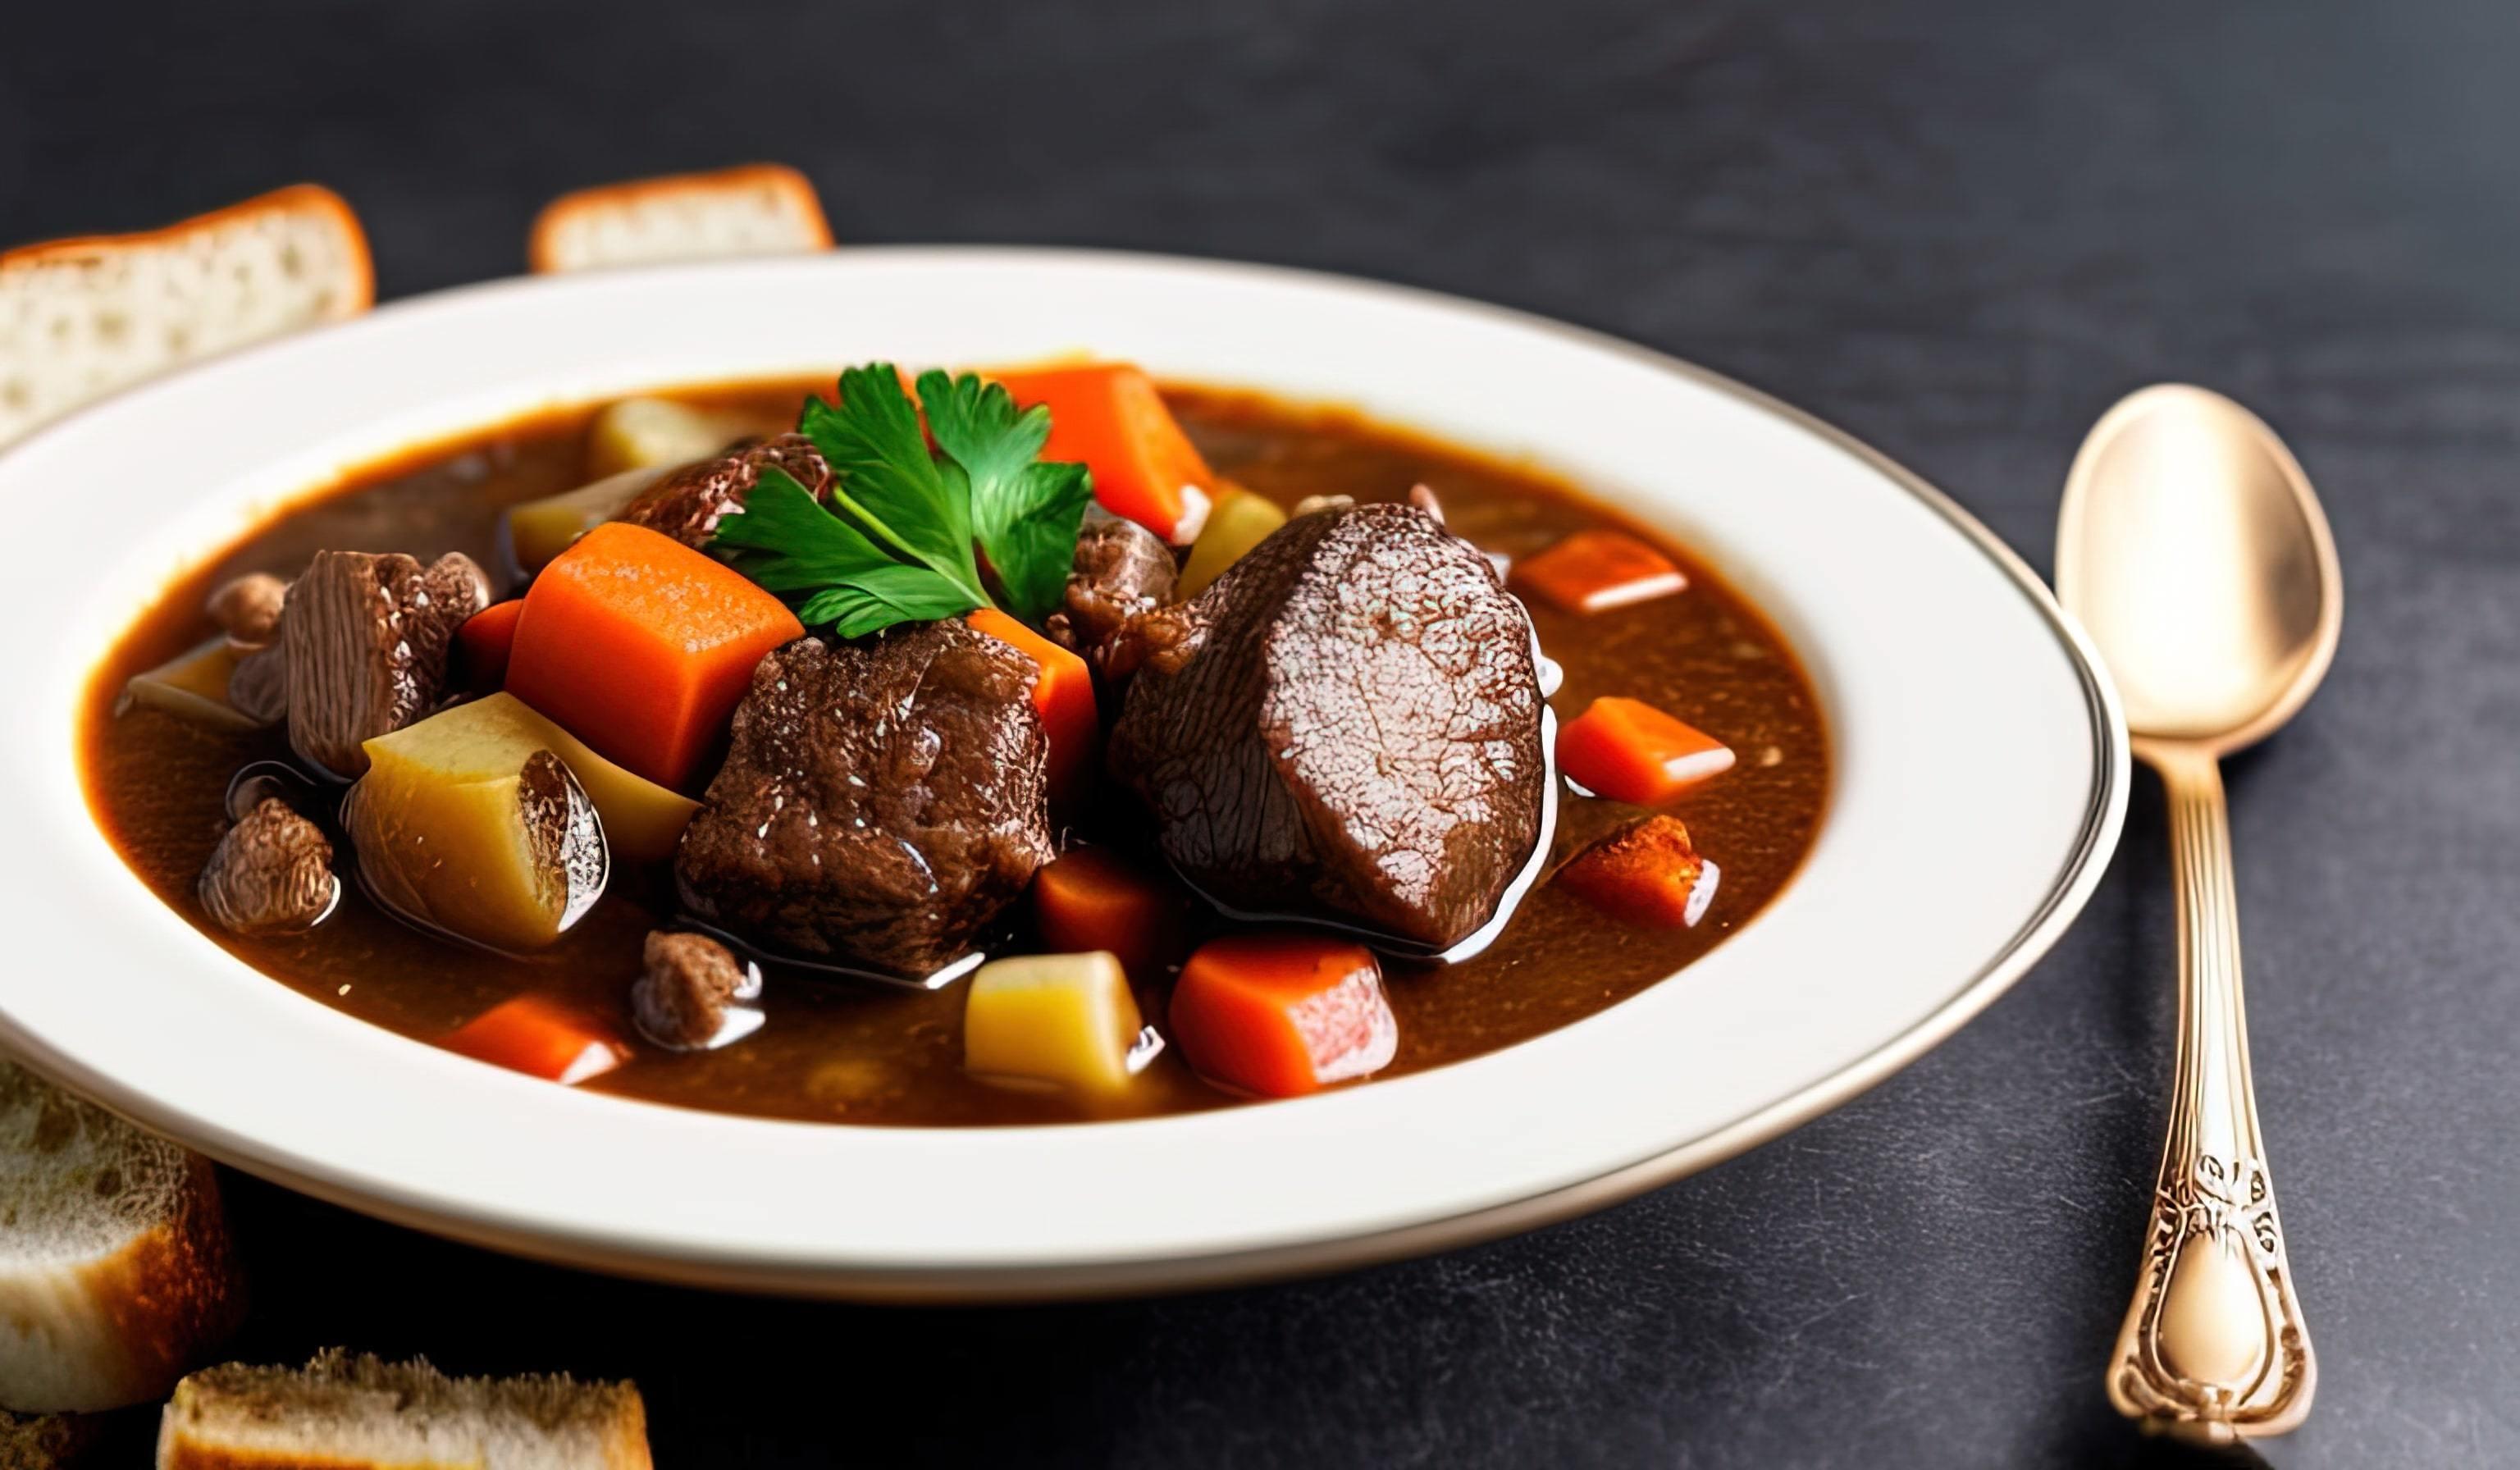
{"points": [[910, 535]]}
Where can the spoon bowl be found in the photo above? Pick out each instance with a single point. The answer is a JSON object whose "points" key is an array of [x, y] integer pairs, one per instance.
{"points": [[2195, 553]]}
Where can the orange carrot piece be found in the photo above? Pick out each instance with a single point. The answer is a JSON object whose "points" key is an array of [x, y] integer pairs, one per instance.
{"points": [[1092, 899], [541, 1036], [1649, 875], [1063, 692], [1627, 750], [1109, 417], [1281, 1014], [485, 641], [1593, 571], [642, 647]]}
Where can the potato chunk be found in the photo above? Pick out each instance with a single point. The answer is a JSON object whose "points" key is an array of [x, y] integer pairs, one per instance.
{"points": [[467, 822], [1240, 522], [195, 685], [642, 819], [649, 433], [1052, 1022], [539, 530]]}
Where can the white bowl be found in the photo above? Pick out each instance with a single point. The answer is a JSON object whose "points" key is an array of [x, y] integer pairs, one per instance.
{"points": [[1981, 781]]}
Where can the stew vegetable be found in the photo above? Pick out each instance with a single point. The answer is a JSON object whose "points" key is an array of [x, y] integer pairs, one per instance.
{"points": [[957, 749]]}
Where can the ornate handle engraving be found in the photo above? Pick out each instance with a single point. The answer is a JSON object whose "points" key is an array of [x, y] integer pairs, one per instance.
{"points": [[2214, 1348]]}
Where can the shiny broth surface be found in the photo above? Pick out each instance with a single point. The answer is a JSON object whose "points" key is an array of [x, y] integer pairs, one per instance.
{"points": [[838, 1053]]}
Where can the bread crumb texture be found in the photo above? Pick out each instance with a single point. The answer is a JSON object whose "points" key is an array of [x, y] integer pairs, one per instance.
{"points": [[359, 1410], [43, 1441], [757, 210], [115, 1270], [81, 318], [76, 1183]]}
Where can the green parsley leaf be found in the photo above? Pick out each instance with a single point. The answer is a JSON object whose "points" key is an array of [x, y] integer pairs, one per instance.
{"points": [[788, 544], [1025, 513], [904, 534], [880, 598]]}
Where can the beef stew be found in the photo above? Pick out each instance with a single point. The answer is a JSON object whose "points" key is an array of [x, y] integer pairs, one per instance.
{"points": [[1285, 724]]}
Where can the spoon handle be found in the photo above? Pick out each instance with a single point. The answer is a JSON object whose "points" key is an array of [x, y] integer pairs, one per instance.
{"points": [[2214, 1348]]}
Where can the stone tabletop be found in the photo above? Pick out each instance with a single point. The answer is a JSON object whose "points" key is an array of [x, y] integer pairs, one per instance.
{"points": [[1959, 229]]}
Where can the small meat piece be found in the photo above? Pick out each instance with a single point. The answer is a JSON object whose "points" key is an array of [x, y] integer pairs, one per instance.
{"points": [[881, 802], [688, 504], [691, 982], [1311, 503], [271, 873], [258, 685], [1345, 726], [247, 608], [366, 638], [1121, 569], [457, 588]]}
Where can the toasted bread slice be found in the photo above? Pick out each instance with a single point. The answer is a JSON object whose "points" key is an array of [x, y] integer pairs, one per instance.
{"points": [[44, 1442], [341, 1412], [116, 1274], [81, 318], [757, 210]]}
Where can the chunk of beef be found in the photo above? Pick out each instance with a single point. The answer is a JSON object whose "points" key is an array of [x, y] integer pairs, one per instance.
{"points": [[271, 873], [247, 608], [881, 803], [688, 503], [259, 685], [1345, 726], [689, 988], [1121, 569], [365, 638]]}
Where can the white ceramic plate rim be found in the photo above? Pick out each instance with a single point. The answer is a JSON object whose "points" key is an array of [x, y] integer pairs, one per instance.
{"points": [[1979, 744]]}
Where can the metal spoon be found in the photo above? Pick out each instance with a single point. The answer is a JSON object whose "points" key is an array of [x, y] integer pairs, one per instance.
{"points": [[2193, 550]]}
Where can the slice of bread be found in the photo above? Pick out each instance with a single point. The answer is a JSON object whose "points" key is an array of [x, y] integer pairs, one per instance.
{"points": [[116, 1274], [81, 318], [757, 210], [44, 1442], [341, 1412]]}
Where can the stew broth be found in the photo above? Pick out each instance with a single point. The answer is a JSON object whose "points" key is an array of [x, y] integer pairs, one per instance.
{"points": [[836, 1053]]}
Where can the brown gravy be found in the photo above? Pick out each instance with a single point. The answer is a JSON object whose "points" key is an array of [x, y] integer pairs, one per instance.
{"points": [[840, 1054]]}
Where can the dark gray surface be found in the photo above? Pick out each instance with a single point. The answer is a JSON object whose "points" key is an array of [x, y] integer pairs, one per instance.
{"points": [[1957, 228]]}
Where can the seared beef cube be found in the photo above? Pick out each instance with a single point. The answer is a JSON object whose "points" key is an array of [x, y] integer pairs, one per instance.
{"points": [[259, 685], [247, 608], [1121, 569], [364, 639], [881, 802], [688, 984], [688, 503], [271, 873], [1346, 725]]}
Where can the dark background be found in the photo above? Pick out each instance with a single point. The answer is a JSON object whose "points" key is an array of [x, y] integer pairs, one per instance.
{"points": [[1959, 230]]}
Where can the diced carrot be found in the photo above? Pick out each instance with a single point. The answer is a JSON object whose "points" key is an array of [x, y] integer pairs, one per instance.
{"points": [[1627, 750], [642, 647], [1593, 571], [1064, 694], [1648, 875], [1109, 417], [540, 1036], [1092, 899], [484, 641], [1280, 1015]]}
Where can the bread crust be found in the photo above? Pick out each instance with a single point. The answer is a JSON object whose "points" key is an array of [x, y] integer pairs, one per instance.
{"points": [[118, 1326], [294, 198], [344, 1412], [173, 1293], [89, 317], [543, 244]]}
